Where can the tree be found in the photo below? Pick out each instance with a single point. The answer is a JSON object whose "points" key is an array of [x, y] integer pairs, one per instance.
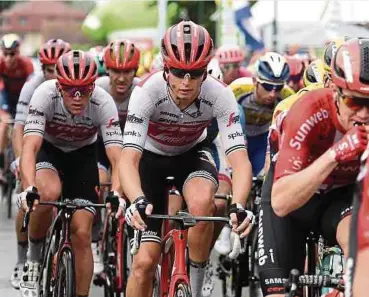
{"points": [[6, 4]]}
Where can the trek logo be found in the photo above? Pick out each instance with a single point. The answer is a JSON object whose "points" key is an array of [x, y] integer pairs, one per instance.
{"points": [[306, 127], [161, 101], [233, 119], [113, 123]]}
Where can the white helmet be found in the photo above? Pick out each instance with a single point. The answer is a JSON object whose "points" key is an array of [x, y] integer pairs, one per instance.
{"points": [[214, 69], [157, 63], [272, 67]]}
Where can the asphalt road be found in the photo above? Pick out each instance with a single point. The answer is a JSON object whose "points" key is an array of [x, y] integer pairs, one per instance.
{"points": [[8, 259]]}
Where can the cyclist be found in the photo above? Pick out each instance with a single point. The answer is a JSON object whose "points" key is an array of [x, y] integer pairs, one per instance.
{"points": [[59, 143], [309, 187], [49, 52], [230, 58], [357, 271], [14, 72], [258, 99], [296, 72], [98, 52], [166, 124], [121, 58]]}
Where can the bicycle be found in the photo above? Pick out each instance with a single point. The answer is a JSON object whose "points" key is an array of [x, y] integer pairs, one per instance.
{"points": [[174, 279], [235, 274], [116, 256], [57, 277]]}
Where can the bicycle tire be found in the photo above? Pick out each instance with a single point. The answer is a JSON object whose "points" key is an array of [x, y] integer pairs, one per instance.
{"points": [[108, 284], [254, 282], [182, 290], [127, 259], [47, 269], [65, 275]]}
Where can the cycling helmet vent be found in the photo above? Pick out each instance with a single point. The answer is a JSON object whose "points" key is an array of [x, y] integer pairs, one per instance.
{"points": [[364, 75]]}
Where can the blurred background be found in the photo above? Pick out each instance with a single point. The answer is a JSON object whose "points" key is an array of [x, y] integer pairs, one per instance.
{"points": [[293, 27]]}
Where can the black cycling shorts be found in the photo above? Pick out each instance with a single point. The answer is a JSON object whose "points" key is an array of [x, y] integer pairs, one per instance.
{"points": [[281, 240], [154, 169], [102, 158], [77, 170]]}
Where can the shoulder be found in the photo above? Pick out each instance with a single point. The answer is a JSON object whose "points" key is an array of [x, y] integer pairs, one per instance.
{"points": [[35, 80], [27, 64], [103, 82], [242, 86], [100, 97]]}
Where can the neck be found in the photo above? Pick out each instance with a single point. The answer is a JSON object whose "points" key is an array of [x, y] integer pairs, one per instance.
{"points": [[117, 96], [182, 103]]}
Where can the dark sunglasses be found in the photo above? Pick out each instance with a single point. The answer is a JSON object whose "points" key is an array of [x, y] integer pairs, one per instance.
{"points": [[11, 54], [50, 70], [352, 102], [181, 73], [270, 87], [77, 91]]}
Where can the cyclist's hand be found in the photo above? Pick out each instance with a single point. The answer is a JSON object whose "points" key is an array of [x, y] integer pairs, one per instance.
{"points": [[137, 212], [115, 204], [352, 144], [242, 220], [14, 167], [28, 198]]}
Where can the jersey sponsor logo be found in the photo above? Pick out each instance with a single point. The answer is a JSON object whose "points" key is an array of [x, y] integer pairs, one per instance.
{"points": [[113, 122], [234, 135], [195, 114], [168, 121], [173, 115], [132, 118], [306, 127], [34, 122], [206, 102], [70, 132], [233, 119], [261, 248], [132, 133], [114, 133], [258, 117], [35, 112], [346, 168], [161, 101], [275, 280]]}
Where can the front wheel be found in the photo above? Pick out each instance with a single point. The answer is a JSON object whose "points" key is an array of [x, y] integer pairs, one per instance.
{"points": [[65, 275], [182, 290]]}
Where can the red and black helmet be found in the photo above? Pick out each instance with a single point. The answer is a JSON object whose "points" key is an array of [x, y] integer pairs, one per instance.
{"points": [[186, 45], [350, 65], [122, 55], [51, 50], [76, 68]]}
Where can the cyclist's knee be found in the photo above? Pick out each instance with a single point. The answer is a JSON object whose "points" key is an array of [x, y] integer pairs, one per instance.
{"points": [[199, 196], [342, 234], [145, 263], [48, 184], [82, 238]]}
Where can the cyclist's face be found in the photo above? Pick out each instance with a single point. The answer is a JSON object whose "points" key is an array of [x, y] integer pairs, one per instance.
{"points": [[185, 85], [76, 99], [10, 57], [230, 72], [266, 93], [49, 71], [121, 80], [353, 108]]}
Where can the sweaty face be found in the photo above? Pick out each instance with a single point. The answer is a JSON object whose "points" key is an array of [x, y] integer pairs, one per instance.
{"points": [[49, 71], [10, 56], [267, 94], [121, 80], [185, 85], [76, 99], [230, 72], [353, 108]]}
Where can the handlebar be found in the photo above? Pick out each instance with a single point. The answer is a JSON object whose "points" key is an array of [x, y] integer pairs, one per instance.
{"points": [[186, 221], [66, 204]]}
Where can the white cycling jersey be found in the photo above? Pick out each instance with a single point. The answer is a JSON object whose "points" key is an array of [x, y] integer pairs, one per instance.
{"points": [[104, 82], [25, 97], [155, 122], [48, 117]]}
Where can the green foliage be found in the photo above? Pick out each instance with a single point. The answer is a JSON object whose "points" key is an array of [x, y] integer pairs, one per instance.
{"points": [[7, 4]]}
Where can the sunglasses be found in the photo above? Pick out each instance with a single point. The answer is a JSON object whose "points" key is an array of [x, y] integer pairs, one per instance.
{"points": [[352, 102], [11, 54], [49, 70], [77, 91], [181, 73], [270, 87]]}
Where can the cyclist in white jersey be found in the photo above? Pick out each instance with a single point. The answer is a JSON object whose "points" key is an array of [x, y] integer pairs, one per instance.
{"points": [[59, 144], [167, 119], [48, 54], [121, 58]]}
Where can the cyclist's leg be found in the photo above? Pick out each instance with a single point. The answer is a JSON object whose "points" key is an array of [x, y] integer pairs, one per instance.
{"points": [[153, 170], [4, 116], [281, 243], [199, 189], [257, 146]]}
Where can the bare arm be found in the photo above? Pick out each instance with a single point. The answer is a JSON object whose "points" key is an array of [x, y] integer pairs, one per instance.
{"points": [[293, 191], [17, 139], [31, 146], [241, 177], [113, 153], [129, 173]]}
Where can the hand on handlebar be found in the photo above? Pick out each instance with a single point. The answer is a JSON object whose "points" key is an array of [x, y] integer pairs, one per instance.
{"points": [[29, 198], [242, 220], [137, 212], [14, 167], [115, 204]]}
